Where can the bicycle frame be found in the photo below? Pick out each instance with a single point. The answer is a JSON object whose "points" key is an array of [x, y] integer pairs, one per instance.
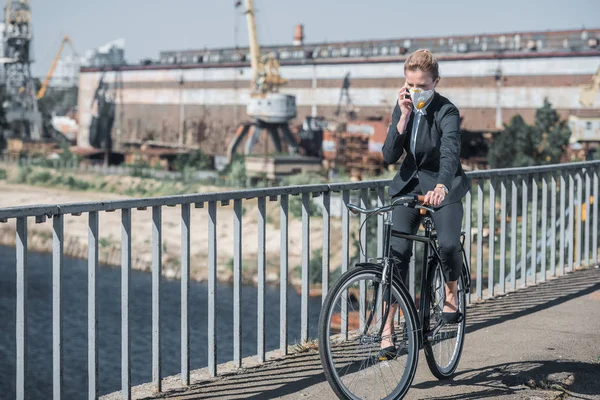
{"points": [[428, 239]]}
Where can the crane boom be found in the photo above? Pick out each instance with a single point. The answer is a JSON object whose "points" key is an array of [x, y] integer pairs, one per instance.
{"points": [[252, 39], [265, 69], [44, 86]]}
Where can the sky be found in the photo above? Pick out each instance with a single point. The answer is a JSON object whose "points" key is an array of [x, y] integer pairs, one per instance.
{"points": [[149, 26]]}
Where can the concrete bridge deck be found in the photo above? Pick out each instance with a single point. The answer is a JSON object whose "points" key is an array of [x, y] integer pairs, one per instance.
{"points": [[541, 342]]}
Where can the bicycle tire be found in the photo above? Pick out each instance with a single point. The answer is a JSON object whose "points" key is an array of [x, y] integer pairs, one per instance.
{"points": [[409, 312], [447, 371]]}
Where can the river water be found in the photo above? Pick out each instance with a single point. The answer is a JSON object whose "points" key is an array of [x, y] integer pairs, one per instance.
{"points": [[39, 319]]}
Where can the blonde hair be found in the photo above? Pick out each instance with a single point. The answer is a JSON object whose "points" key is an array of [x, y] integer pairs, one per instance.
{"points": [[425, 61]]}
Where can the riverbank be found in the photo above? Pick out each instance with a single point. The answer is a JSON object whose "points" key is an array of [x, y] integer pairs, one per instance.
{"points": [[109, 246]]}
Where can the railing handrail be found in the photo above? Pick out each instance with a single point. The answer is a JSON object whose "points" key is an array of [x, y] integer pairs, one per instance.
{"points": [[201, 198]]}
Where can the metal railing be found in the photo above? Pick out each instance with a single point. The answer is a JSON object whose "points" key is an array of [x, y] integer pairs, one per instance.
{"points": [[567, 238]]}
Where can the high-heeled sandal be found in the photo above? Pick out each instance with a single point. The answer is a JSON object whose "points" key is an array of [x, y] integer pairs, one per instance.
{"points": [[453, 317], [387, 353]]}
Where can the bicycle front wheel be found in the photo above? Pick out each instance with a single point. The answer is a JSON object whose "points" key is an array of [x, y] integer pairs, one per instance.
{"points": [[444, 342], [350, 339]]}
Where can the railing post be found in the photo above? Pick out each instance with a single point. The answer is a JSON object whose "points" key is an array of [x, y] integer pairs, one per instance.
{"points": [[305, 265], [563, 222], [345, 256], [156, 278], [571, 221], [125, 289], [363, 257], [212, 292], [553, 225], [595, 221], [469, 234], [588, 215], [491, 236], [513, 232], [57, 304], [185, 289], [326, 242], [237, 283], [283, 272], [21, 317], [534, 222], [380, 226], [380, 221], [92, 311], [544, 227], [524, 213], [578, 232], [261, 253], [479, 237], [502, 236]]}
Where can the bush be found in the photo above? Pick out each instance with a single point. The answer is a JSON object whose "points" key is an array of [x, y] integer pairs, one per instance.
{"points": [[3, 174], [295, 202], [194, 160], [23, 174], [43, 177], [77, 184], [237, 174], [315, 267]]}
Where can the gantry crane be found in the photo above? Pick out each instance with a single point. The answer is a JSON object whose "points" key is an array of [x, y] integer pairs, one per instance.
{"points": [[268, 109]]}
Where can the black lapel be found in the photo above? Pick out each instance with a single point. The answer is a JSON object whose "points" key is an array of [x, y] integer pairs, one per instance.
{"points": [[409, 126]]}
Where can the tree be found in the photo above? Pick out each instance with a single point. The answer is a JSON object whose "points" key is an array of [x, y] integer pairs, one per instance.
{"points": [[555, 134], [513, 147], [522, 145]]}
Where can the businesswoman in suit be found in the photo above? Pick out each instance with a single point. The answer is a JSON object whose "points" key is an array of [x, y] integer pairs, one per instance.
{"points": [[425, 126]]}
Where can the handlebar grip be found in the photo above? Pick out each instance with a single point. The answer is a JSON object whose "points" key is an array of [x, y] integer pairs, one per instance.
{"points": [[421, 199]]}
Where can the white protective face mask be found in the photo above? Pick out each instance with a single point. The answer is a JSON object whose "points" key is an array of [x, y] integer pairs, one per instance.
{"points": [[420, 97]]}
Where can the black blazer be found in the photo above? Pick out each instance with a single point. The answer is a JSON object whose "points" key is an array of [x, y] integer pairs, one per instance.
{"points": [[437, 151]]}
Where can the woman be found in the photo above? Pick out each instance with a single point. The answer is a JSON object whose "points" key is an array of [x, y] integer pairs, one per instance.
{"points": [[425, 125]]}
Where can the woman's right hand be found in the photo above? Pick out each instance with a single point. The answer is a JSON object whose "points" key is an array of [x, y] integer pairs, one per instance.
{"points": [[404, 103], [405, 107]]}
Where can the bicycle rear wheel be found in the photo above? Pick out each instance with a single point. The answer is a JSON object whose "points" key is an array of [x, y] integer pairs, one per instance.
{"points": [[444, 342], [349, 340]]}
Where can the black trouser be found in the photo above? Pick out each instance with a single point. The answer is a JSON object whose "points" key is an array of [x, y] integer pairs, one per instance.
{"points": [[448, 224]]}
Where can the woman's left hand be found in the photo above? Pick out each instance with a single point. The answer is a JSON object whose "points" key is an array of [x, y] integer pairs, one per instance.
{"points": [[435, 197]]}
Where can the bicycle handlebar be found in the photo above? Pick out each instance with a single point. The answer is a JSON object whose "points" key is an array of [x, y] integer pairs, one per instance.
{"points": [[409, 201]]}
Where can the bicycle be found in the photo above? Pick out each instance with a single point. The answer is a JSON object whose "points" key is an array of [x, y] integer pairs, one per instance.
{"points": [[349, 339]]}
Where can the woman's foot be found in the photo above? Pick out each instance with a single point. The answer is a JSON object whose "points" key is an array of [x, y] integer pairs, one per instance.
{"points": [[388, 329], [450, 313], [451, 303]]}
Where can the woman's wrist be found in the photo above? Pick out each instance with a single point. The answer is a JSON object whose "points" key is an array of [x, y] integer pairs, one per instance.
{"points": [[443, 187], [401, 125]]}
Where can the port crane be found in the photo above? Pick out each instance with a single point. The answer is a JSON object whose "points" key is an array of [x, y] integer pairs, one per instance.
{"points": [[268, 109], [44, 87]]}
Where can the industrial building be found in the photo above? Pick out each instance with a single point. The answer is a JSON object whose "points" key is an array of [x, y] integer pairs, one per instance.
{"points": [[198, 98]]}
